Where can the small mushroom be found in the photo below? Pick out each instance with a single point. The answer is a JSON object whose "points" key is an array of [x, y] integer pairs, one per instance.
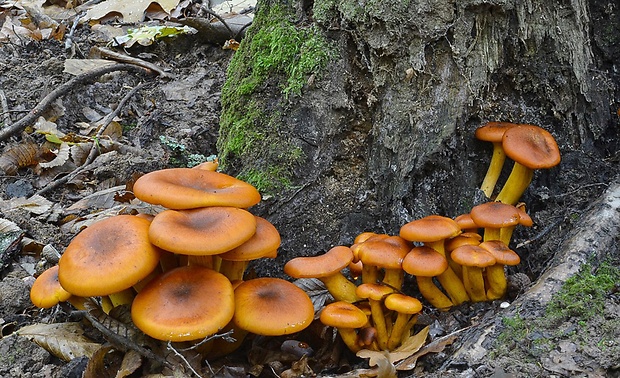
{"points": [[530, 147], [425, 263], [327, 268], [496, 276], [375, 293], [346, 318], [493, 132], [495, 216], [387, 254], [405, 307], [47, 292], [473, 259]]}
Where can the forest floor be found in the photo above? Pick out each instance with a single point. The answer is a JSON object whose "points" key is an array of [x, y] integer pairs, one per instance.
{"points": [[174, 122]]}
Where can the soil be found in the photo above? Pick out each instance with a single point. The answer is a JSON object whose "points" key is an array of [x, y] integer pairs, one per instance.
{"points": [[172, 119]]}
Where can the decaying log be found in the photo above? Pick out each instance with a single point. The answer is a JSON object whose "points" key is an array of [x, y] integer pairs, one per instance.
{"points": [[595, 238]]}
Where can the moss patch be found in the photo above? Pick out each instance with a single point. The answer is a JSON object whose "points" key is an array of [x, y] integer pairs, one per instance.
{"points": [[272, 65]]}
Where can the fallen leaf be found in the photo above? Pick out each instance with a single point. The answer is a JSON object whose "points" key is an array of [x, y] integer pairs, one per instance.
{"points": [[80, 66], [146, 35], [316, 290], [131, 362], [132, 11], [435, 346], [35, 204], [64, 340], [62, 156]]}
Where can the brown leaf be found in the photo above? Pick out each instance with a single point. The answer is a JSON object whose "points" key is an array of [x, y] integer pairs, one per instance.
{"points": [[19, 156], [436, 346], [64, 340]]}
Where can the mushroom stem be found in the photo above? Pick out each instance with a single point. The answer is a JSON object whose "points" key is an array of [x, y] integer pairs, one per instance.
{"points": [[122, 297], [492, 233], [516, 184], [449, 280], [349, 337], [474, 283], [432, 294], [394, 278], [204, 261], [496, 279], [400, 330], [234, 270], [340, 287], [495, 169], [378, 319], [370, 274]]}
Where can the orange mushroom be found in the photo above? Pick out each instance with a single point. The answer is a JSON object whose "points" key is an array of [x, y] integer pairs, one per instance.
{"points": [[327, 268], [496, 276], [189, 188], [473, 259], [405, 307], [493, 132], [530, 147], [108, 257], [272, 307], [375, 293], [264, 243], [424, 263], [47, 292], [346, 318], [387, 254], [495, 216], [185, 303]]}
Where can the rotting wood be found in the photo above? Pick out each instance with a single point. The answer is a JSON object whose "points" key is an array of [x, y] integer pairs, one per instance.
{"points": [[595, 238]]}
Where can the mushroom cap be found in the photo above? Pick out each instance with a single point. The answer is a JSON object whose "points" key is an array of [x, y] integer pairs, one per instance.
{"points": [[373, 291], [493, 131], [495, 215], [425, 262], [472, 255], [331, 262], [465, 222], [403, 304], [531, 146], [470, 238], [108, 257], [204, 231], [502, 253], [272, 307], [430, 229], [46, 291], [343, 315], [185, 303], [524, 218], [264, 243], [188, 188], [384, 253]]}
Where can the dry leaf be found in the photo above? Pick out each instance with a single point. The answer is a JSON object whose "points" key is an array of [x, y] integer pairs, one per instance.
{"points": [[103, 199], [64, 340], [316, 290], [132, 11], [436, 346], [35, 204], [80, 66], [62, 155], [131, 362], [385, 360], [22, 155]]}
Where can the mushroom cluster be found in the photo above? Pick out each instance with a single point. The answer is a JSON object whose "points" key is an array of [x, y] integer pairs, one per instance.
{"points": [[452, 260], [182, 270]]}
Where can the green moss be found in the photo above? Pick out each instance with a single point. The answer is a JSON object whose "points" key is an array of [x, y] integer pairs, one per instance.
{"points": [[272, 65], [583, 295]]}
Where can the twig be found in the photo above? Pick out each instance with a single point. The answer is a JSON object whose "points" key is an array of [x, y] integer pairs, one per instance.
{"points": [[206, 9], [107, 53], [6, 118], [69, 39], [170, 347], [87, 77], [93, 150]]}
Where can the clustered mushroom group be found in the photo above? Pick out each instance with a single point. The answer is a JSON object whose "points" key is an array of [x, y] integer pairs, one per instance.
{"points": [[452, 260], [181, 270]]}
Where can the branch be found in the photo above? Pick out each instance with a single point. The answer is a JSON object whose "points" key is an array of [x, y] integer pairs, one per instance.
{"points": [[84, 78]]}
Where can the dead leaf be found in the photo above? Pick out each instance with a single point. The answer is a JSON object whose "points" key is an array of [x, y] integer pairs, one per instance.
{"points": [[435, 346], [103, 199], [22, 155], [131, 362], [80, 66], [316, 290], [35, 204], [62, 156], [64, 340], [132, 11]]}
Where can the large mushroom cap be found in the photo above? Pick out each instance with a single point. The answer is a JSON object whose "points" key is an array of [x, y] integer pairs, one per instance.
{"points": [[186, 188], [531, 146], [200, 232], [185, 303], [272, 307], [46, 291], [385, 253], [264, 243], [429, 229], [331, 262], [108, 257], [425, 262], [495, 215]]}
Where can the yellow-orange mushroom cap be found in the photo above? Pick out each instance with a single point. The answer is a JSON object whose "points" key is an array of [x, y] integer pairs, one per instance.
{"points": [[493, 132], [46, 291], [264, 243], [187, 188], [108, 257], [185, 303], [272, 307], [204, 231]]}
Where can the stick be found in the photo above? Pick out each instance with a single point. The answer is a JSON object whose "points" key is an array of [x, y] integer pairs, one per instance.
{"points": [[107, 53], [87, 77], [93, 150]]}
